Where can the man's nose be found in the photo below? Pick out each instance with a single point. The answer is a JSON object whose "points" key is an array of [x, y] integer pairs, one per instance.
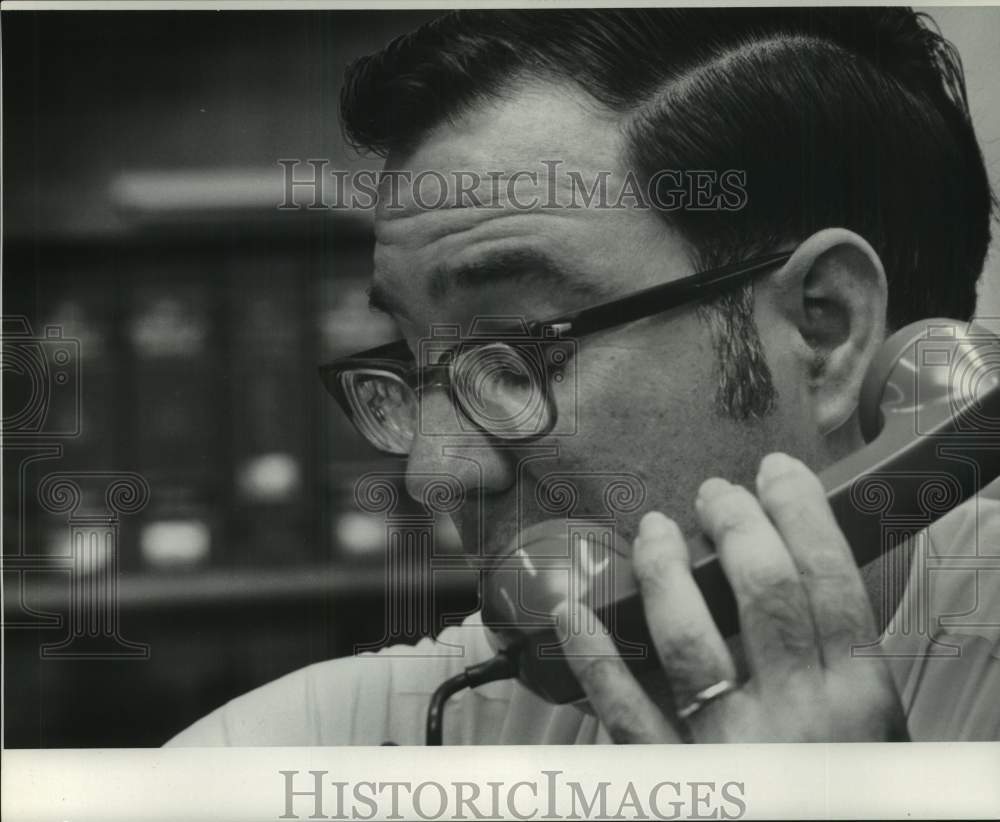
{"points": [[446, 443]]}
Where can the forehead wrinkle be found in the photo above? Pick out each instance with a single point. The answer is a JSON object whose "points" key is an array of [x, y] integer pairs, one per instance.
{"points": [[526, 189], [441, 243], [507, 264], [531, 242], [426, 227], [588, 277]]}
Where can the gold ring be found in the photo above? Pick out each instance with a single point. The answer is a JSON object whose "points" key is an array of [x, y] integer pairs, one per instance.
{"points": [[703, 697]]}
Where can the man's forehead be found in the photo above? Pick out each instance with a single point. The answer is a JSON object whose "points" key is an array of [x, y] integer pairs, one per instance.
{"points": [[510, 156], [532, 137], [527, 121], [500, 165]]}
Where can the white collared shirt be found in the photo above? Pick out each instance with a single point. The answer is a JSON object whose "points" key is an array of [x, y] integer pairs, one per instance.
{"points": [[942, 646]]}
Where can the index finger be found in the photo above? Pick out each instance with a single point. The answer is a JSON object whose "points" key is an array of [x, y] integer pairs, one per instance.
{"points": [[624, 708]]}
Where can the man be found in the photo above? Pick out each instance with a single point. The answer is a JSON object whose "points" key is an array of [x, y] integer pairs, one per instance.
{"points": [[855, 158]]}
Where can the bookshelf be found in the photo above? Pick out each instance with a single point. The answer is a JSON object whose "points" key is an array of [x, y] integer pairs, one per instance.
{"points": [[139, 219], [198, 357]]}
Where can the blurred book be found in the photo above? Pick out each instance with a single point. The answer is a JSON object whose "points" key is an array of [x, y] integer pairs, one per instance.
{"points": [[271, 367], [173, 390]]}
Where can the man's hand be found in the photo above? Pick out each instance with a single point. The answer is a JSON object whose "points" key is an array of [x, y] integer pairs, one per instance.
{"points": [[802, 608]]}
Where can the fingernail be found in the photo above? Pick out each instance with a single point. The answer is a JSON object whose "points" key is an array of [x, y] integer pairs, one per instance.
{"points": [[776, 463], [711, 488], [653, 524]]}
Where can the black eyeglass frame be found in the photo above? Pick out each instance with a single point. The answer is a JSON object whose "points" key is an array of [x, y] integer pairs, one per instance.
{"points": [[397, 359]]}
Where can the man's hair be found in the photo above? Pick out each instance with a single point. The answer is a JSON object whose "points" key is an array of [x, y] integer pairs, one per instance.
{"points": [[852, 117]]}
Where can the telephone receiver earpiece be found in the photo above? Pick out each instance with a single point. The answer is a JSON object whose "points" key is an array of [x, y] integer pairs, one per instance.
{"points": [[929, 412]]}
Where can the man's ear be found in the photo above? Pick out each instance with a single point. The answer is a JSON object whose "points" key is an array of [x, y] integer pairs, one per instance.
{"points": [[833, 293]]}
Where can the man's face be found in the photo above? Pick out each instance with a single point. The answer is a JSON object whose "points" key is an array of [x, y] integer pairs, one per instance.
{"points": [[645, 393]]}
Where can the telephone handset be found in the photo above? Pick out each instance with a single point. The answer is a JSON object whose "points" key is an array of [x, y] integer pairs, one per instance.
{"points": [[929, 412]]}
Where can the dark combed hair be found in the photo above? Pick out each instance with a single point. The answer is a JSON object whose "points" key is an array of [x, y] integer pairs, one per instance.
{"points": [[851, 117]]}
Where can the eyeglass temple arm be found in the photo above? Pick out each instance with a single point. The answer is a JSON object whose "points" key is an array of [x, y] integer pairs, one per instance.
{"points": [[665, 296]]}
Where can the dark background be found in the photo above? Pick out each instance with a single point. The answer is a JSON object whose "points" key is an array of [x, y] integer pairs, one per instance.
{"points": [[141, 184], [141, 179]]}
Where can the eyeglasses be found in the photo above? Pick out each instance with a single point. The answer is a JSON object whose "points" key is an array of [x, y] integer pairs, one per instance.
{"points": [[501, 376]]}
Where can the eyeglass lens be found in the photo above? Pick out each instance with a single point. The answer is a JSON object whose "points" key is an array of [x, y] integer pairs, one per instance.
{"points": [[500, 388]]}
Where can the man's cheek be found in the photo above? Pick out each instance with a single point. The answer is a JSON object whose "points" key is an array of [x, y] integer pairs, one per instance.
{"points": [[592, 406]]}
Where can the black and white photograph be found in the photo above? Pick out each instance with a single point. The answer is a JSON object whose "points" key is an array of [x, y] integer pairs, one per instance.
{"points": [[389, 388]]}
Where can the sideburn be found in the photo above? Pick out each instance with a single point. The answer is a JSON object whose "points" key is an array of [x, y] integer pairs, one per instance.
{"points": [[746, 388]]}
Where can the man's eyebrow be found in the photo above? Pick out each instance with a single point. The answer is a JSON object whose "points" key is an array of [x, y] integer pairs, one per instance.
{"points": [[497, 267], [509, 266], [382, 300]]}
